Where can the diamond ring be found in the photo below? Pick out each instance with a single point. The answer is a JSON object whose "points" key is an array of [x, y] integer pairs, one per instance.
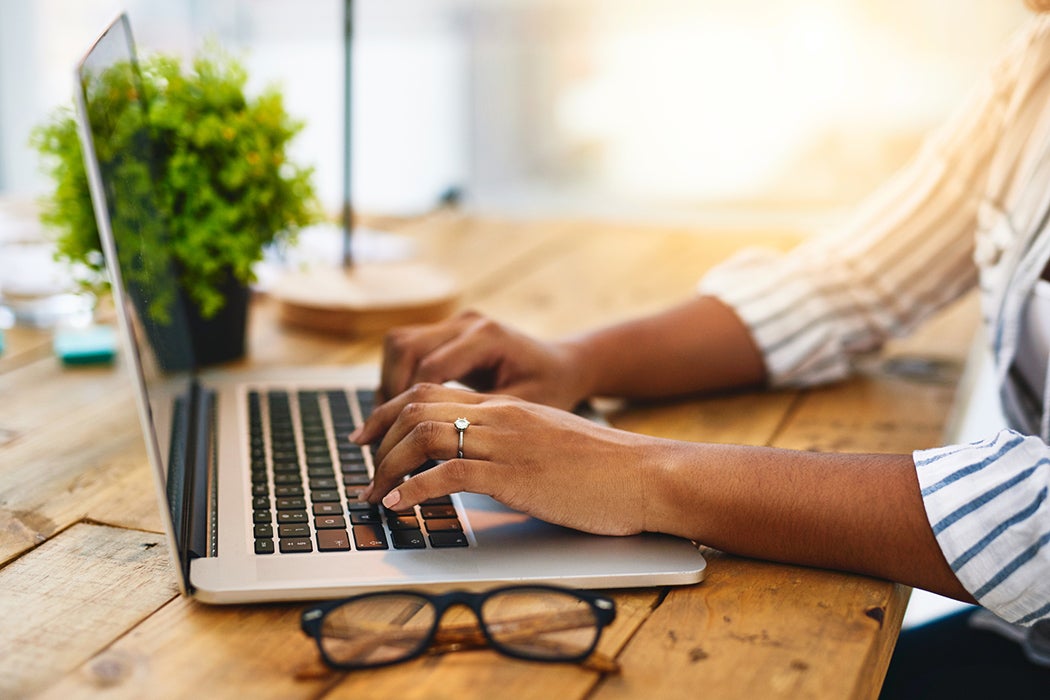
{"points": [[461, 426]]}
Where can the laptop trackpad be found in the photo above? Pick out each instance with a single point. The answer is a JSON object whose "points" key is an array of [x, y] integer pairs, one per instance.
{"points": [[492, 522]]}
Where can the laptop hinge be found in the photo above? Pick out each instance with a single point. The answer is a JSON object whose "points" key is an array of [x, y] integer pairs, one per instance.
{"points": [[188, 474]]}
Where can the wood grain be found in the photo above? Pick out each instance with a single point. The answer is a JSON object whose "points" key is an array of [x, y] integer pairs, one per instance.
{"points": [[808, 633], [75, 444], [72, 595]]}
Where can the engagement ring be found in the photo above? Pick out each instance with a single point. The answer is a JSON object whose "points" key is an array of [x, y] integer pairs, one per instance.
{"points": [[461, 426]]}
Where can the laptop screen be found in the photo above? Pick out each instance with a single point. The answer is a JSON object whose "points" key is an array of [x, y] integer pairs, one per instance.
{"points": [[127, 156], [120, 157]]}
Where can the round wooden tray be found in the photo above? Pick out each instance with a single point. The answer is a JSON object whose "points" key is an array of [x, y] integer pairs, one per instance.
{"points": [[367, 298]]}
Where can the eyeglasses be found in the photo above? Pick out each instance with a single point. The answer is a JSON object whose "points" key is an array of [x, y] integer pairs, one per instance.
{"points": [[538, 623]]}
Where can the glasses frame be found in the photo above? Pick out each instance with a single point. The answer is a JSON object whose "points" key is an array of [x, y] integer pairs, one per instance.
{"points": [[602, 607]]}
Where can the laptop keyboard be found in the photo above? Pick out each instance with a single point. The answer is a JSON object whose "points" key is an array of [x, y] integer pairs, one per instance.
{"points": [[306, 478]]}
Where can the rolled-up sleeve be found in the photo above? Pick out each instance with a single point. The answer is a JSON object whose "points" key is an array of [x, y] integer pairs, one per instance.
{"points": [[987, 505]]}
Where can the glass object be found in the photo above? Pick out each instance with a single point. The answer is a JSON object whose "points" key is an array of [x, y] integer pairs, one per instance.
{"points": [[538, 623], [35, 289]]}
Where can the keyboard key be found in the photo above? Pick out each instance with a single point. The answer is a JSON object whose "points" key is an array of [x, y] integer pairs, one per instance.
{"points": [[292, 516], [290, 545], [286, 468], [354, 468], [361, 479], [264, 530], [429, 512], [293, 530], [329, 522], [364, 517], [439, 501], [261, 503], [444, 525], [260, 516], [263, 546], [407, 539], [324, 496], [403, 522], [370, 537], [448, 539], [260, 489], [322, 484], [286, 490], [332, 541], [291, 503], [399, 512], [328, 509]]}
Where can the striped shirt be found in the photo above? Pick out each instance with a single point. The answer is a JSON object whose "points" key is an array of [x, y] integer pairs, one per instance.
{"points": [[972, 209]]}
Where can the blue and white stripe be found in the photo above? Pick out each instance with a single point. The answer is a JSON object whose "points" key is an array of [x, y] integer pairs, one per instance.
{"points": [[988, 508]]}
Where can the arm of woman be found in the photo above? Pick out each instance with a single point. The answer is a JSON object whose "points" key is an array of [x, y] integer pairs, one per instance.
{"points": [[699, 345], [861, 513]]}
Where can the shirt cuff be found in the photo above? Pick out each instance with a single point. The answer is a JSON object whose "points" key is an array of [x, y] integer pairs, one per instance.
{"points": [[986, 503], [801, 345]]}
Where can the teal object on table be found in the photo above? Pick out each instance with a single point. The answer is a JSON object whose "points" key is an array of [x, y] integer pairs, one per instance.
{"points": [[93, 345]]}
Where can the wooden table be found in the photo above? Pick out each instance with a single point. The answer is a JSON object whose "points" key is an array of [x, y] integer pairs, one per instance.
{"points": [[87, 600]]}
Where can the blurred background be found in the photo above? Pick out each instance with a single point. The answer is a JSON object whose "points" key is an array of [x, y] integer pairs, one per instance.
{"points": [[684, 110]]}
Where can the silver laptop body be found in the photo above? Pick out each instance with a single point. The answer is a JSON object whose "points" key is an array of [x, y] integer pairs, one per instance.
{"points": [[198, 433]]}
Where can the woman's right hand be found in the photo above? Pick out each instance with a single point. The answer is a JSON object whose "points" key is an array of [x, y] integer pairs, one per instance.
{"points": [[483, 355], [539, 460]]}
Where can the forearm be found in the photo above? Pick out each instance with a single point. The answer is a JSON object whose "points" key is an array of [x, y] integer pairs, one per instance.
{"points": [[860, 513], [697, 346]]}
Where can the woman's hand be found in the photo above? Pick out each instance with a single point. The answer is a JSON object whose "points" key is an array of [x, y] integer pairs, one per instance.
{"points": [[483, 355], [536, 459]]}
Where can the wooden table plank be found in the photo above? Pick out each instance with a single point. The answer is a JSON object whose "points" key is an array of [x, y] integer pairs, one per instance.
{"points": [[72, 595], [805, 634], [191, 649], [259, 651], [610, 273], [23, 346], [74, 432]]}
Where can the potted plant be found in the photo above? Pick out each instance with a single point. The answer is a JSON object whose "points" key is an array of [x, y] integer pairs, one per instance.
{"points": [[209, 189]]}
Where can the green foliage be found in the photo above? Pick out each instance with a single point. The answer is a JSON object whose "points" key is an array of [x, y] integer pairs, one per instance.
{"points": [[203, 195]]}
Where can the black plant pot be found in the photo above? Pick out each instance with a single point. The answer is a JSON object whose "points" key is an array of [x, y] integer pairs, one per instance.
{"points": [[190, 341], [221, 338]]}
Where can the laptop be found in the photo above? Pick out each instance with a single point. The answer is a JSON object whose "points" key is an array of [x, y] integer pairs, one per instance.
{"points": [[256, 481]]}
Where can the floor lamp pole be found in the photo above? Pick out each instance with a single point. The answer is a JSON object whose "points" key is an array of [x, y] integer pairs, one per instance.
{"points": [[361, 297], [348, 207]]}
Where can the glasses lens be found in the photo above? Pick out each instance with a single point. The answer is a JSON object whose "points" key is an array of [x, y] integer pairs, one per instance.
{"points": [[377, 629], [541, 624]]}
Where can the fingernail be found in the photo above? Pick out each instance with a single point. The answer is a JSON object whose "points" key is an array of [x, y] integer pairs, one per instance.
{"points": [[392, 499], [356, 434]]}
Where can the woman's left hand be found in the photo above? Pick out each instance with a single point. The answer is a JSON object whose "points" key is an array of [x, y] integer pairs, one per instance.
{"points": [[539, 460]]}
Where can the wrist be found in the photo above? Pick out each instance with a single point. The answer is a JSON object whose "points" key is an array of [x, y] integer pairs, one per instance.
{"points": [[667, 505], [582, 366]]}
